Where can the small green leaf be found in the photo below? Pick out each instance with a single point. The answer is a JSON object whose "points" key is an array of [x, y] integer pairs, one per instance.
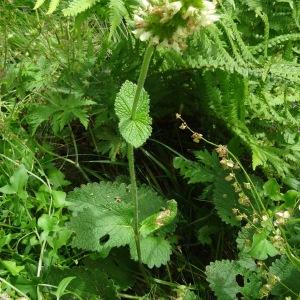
{"points": [[12, 267], [290, 198], [48, 223], [160, 219], [135, 131], [60, 238], [57, 178], [272, 189], [59, 199], [62, 286], [17, 183], [261, 247]]}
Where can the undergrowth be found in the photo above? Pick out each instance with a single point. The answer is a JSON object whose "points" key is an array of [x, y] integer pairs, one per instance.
{"points": [[149, 150]]}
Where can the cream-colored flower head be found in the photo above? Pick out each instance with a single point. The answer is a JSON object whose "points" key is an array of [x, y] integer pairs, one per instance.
{"points": [[170, 23]]}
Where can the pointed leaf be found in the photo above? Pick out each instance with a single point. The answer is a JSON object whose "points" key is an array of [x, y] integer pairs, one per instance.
{"points": [[62, 286], [135, 131]]}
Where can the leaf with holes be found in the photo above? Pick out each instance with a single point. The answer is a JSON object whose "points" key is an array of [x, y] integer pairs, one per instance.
{"points": [[103, 217], [228, 279], [137, 130]]}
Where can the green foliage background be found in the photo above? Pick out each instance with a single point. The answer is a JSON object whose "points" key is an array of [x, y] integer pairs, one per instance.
{"points": [[66, 220]]}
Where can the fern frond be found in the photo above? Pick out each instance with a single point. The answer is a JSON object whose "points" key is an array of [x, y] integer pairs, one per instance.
{"points": [[52, 6], [78, 6], [117, 11], [276, 41], [38, 4]]}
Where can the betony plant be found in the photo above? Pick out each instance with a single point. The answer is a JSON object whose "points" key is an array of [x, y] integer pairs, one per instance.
{"points": [[161, 24]]}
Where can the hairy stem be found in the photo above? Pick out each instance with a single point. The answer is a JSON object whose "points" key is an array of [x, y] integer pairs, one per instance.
{"points": [[130, 155], [142, 78], [134, 197]]}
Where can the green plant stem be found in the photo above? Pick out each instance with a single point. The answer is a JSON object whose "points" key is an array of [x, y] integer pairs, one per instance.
{"points": [[130, 154], [133, 189], [142, 78], [13, 287]]}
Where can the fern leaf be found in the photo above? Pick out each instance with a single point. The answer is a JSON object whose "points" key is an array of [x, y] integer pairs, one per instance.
{"points": [[52, 6], [38, 4], [117, 11], [78, 6]]}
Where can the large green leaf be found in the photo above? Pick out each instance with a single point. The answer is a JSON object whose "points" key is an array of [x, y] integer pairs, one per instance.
{"points": [[135, 131], [103, 218]]}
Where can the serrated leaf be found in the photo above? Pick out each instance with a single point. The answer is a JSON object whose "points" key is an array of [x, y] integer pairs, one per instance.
{"points": [[222, 275], [155, 251], [103, 217], [225, 198], [289, 277], [138, 130], [78, 6], [192, 171]]}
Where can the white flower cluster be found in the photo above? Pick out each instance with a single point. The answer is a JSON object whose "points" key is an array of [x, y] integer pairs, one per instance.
{"points": [[170, 23]]}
